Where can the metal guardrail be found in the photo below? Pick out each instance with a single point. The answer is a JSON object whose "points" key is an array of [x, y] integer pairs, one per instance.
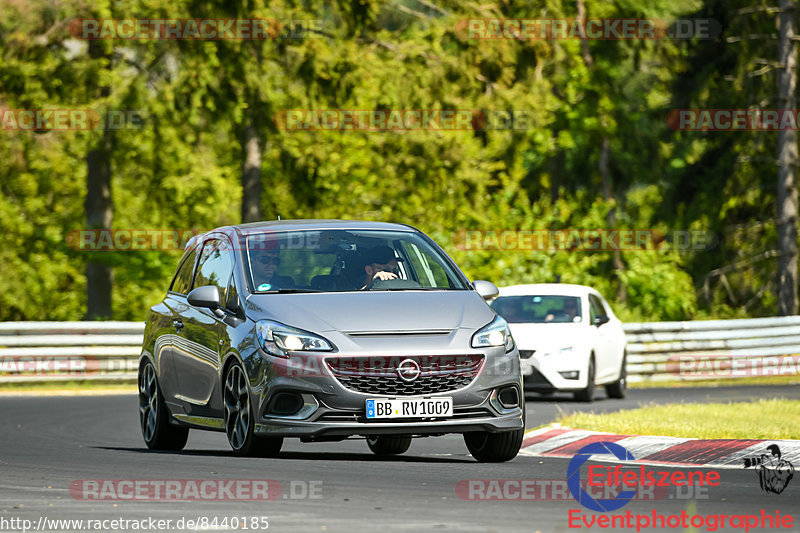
{"points": [[657, 351], [713, 349], [69, 351]]}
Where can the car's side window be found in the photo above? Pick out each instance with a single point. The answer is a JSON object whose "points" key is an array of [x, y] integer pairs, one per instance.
{"points": [[215, 267], [604, 307], [428, 270], [182, 283], [596, 307]]}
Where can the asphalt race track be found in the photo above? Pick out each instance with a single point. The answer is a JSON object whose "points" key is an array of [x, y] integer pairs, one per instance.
{"points": [[50, 444]]}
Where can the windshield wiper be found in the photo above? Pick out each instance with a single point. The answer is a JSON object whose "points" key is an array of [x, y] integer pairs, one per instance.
{"points": [[414, 289], [288, 291]]}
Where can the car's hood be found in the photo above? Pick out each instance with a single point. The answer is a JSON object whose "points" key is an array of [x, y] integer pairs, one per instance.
{"points": [[401, 311], [540, 336]]}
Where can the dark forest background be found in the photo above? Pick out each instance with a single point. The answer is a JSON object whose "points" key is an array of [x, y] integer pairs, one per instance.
{"points": [[596, 152]]}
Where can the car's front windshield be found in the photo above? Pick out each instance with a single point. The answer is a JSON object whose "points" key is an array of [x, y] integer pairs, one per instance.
{"points": [[346, 260], [538, 309]]}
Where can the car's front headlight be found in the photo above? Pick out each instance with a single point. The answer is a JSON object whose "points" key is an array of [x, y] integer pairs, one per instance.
{"points": [[496, 333], [279, 339]]}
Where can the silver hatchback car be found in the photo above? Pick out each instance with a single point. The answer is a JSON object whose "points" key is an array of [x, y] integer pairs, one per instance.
{"points": [[324, 330]]}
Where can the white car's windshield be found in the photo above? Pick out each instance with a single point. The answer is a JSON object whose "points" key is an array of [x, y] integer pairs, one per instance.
{"points": [[343, 261], [539, 309]]}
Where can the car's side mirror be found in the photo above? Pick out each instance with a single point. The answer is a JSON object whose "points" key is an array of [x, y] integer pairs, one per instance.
{"points": [[486, 289], [208, 297], [599, 320]]}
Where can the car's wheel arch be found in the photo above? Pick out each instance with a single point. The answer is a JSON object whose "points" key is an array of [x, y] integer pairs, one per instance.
{"points": [[144, 358], [229, 359]]}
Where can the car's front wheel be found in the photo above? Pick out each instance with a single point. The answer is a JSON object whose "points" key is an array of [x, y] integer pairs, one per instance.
{"points": [[157, 431], [587, 394], [239, 419], [494, 447], [389, 444], [618, 388]]}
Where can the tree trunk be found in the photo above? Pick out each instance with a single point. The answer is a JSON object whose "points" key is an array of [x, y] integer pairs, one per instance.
{"points": [[251, 169], [787, 164], [99, 213], [611, 217], [605, 176], [555, 169], [98, 206]]}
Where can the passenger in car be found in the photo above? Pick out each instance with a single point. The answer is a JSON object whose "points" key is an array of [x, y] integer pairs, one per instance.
{"points": [[265, 267]]}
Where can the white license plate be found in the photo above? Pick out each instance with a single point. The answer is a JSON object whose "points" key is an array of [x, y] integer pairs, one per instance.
{"points": [[409, 407]]}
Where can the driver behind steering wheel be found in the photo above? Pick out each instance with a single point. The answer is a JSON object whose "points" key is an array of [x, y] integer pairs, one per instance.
{"points": [[380, 263]]}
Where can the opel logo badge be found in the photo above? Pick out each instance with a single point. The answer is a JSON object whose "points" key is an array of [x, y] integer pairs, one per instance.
{"points": [[408, 370]]}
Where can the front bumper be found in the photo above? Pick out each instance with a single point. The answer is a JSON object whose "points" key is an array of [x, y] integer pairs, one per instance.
{"points": [[339, 410], [544, 376], [333, 423]]}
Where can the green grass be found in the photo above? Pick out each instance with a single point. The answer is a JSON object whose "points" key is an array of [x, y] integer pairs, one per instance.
{"points": [[761, 419], [688, 383]]}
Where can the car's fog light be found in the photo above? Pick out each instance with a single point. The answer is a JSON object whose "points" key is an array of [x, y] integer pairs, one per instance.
{"points": [[291, 405], [285, 403], [508, 397], [572, 374], [505, 399]]}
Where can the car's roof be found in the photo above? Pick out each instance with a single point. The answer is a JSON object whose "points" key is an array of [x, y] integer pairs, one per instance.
{"points": [[299, 225], [563, 289], [318, 224]]}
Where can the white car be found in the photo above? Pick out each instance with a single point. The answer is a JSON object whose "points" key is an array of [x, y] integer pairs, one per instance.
{"points": [[568, 337]]}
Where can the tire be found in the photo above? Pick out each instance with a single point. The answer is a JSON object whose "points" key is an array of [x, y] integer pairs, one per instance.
{"points": [[154, 418], [389, 444], [496, 447], [617, 389], [587, 394], [239, 419]]}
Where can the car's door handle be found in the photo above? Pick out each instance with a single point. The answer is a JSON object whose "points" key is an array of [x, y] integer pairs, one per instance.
{"points": [[178, 325]]}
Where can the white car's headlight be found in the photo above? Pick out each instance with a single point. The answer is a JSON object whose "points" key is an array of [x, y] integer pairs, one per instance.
{"points": [[495, 333], [279, 339]]}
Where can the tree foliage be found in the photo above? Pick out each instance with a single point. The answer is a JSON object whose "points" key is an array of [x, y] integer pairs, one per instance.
{"points": [[182, 168]]}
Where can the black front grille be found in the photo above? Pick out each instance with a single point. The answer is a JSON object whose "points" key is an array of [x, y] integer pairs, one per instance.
{"points": [[526, 354], [378, 375]]}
